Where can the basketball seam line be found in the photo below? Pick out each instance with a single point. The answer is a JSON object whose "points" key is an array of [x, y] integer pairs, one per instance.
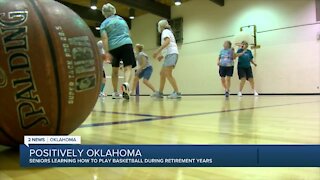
{"points": [[54, 60]]}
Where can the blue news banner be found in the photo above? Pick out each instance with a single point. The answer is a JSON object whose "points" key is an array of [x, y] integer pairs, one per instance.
{"points": [[170, 156]]}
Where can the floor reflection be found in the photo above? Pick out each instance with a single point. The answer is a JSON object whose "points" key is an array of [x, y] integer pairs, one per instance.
{"points": [[246, 122], [226, 123]]}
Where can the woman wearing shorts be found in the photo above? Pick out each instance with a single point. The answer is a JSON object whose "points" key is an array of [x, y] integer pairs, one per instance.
{"points": [[117, 41], [103, 83], [145, 68], [244, 67], [225, 63], [169, 50]]}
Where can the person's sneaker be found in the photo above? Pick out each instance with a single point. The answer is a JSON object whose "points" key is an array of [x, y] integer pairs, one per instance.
{"points": [[157, 94], [227, 94], [125, 91], [174, 95], [255, 93], [239, 94], [116, 95], [102, 94]]}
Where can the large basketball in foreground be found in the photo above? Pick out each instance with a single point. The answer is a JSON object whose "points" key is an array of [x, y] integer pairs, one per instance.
{"points": [[49, 70]]}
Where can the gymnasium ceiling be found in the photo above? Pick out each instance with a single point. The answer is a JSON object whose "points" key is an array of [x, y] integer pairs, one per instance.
{"points": [[94, 18], [158, 7]]}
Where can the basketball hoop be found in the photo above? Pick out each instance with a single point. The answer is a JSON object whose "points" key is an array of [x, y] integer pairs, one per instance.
{"points": [[248, 34], [243, 36]]}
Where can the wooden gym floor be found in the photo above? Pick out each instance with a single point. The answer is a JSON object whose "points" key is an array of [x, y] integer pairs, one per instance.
{"points": [[192, 120]]}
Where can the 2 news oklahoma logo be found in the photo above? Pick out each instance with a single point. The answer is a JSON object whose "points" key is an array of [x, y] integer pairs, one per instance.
{"points": [[3, 78]]}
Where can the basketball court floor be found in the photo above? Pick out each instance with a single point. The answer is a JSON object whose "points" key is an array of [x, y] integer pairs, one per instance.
{"points": [[191, 120]]}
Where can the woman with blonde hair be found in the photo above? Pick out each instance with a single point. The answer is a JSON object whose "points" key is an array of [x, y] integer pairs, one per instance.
{"points": [[145, 68], [169, 52], [117, 42]]}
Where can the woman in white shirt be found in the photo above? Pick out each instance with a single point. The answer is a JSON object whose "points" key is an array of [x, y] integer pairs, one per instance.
{"points": [[169, 52]]}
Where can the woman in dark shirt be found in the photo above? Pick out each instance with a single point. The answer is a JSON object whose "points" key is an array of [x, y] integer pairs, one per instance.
{"points": [[244, 67]]}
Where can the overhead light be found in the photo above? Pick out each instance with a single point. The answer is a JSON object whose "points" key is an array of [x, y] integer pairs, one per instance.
{"points": [[177, 2], [93, 7], [93, 4], [132, 13], [98, 28]]}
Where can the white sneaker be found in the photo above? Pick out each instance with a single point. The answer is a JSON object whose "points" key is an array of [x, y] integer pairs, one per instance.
{"points": [[157, 94], [116, 95], [239, 94], [125, 91], [174, 95], [255, 93], [102, 94]]}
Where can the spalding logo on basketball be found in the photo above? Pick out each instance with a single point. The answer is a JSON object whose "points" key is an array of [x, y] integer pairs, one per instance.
{"points": [[49, 69]]}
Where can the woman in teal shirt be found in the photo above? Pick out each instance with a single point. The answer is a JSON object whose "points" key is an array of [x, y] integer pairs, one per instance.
{"points": [[116, 40], [244, 67]]}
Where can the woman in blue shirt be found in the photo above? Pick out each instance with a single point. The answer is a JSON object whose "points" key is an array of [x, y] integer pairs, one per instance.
{"points": [[244, 67], [225, 63], [116, 40]]}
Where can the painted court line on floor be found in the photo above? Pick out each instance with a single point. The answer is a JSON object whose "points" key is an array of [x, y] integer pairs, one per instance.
{"points": [[131, 114], [155, 118]]}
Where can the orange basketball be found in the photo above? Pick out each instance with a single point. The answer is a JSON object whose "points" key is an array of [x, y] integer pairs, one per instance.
{"points": [[50, 71]]}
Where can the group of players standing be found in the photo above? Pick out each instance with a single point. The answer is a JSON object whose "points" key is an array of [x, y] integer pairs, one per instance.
{"points": [[116, 46], [226, 66]]}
